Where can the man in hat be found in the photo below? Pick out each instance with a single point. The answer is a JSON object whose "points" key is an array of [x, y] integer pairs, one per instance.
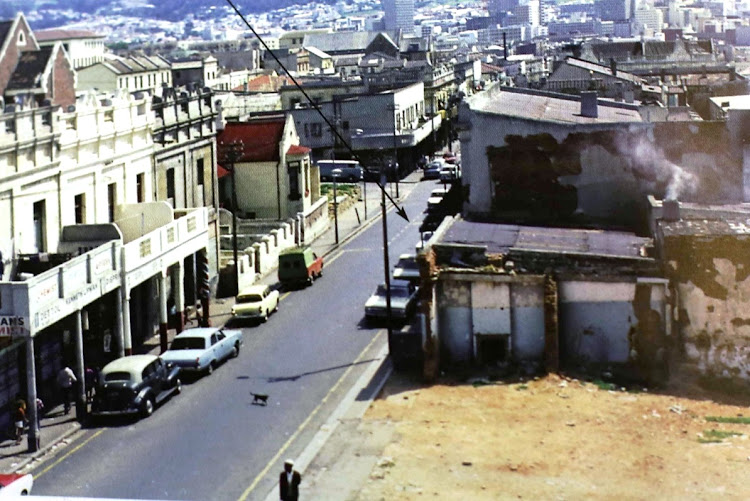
{"points": [[289, 481]]}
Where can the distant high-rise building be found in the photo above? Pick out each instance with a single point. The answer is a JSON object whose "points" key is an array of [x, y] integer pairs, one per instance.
{"points": [[615, 10], [499, 7], [399, 14]]}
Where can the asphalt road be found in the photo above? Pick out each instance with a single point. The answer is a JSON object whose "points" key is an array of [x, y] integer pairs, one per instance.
{"points": [[211, 442]]}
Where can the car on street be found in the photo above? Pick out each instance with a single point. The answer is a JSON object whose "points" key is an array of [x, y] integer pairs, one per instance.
{"points": [[15, 484], [436, 197], [135, 384], [403, 301], [299, 266], [406, 268], [202, 349], [257, 302], [450, 173], [432, 171]]}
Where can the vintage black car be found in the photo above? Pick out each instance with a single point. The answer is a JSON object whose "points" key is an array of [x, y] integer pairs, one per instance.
{"points": [[135, 384]]}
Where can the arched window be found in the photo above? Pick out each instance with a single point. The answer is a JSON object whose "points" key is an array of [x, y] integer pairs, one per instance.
{"points": [[21, 38]]}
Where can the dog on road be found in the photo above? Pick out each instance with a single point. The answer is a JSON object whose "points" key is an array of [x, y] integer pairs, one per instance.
{"points": [[259, 398]]}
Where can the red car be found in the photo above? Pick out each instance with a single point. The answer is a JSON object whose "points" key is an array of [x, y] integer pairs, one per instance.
{"points": [[15, 484]]}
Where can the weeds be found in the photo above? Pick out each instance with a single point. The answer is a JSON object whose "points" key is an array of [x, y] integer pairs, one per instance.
{"points": [[728, 419], [603, 385], [716, 436]]}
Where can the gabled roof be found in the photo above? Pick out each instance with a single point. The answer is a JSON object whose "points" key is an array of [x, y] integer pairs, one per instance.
{"points": [[30, 69], [296, 149], [5, 27], [344, 42], [268, 83], [317, 52], [260, 139], [603, 70], [58, 34]]}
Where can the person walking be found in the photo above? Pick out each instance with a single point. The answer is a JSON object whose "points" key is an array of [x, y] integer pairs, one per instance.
{"points": [[19, 417], [289, 481], [66, 378]]}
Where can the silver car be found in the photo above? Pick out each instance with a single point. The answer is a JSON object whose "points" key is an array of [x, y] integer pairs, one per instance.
{"points": [[202, 349], [403, 301]]}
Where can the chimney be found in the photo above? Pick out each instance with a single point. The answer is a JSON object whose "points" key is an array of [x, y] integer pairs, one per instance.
{"points": [[589, 104], [670, 210], [613, 66], [505, 47]]}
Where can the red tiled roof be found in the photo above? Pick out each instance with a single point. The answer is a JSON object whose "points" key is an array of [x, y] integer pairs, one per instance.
{"points": [[296, 149], [221, 172], [260, 139], [267, 83]]}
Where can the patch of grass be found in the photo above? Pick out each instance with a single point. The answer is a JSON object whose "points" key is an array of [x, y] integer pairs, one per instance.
{"points": [[603, 385], [326, 189], [716, 436], [729, 419], [522, 387]]}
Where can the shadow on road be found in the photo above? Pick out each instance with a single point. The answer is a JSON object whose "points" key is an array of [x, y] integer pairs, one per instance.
{"points": [[295, 377]]}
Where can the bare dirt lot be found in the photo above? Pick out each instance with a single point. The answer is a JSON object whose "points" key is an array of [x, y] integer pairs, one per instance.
{"points": [[558, 438]]}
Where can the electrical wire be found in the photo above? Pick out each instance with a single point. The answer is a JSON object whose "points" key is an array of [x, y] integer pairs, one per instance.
{"points": [[315, 106]]}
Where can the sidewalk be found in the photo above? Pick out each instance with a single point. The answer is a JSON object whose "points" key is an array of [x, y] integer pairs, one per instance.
{"points": [[56, 429]]}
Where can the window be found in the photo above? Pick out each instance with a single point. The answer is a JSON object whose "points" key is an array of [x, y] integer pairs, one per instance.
{"points": [[316, 130], [200, 180], [40, 216], [79, 204], [170, 183], [140, 188], [111, 201], [293, 169], [307, 131]]}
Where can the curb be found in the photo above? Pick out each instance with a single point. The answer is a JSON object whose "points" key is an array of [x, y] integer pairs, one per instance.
{"points": [[75, 428], [381, 364]]}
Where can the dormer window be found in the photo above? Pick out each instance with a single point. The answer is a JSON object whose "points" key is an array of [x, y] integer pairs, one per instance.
{"points": [[21, 38]]}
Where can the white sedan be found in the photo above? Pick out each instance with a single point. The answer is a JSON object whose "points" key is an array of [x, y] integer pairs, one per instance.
{"points": [[256, 301], [15, 484]]}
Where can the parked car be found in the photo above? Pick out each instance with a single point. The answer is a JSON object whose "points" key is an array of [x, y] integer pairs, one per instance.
{"points": [[406, 268], [256, 301], [202, 349], [436, 197], [432, 171], [450, 173], [299, 266], [403, 301], [135, 384], [15, 484], [351, 171]]}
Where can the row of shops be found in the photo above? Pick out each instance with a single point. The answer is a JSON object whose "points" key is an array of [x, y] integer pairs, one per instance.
{"points": [[102, 303]]}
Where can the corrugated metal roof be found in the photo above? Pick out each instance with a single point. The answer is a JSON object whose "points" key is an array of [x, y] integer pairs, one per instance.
{"points": [[502, 238], [547, 108]]}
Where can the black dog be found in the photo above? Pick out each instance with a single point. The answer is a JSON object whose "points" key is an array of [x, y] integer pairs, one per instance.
{"points": [[259, 398]]}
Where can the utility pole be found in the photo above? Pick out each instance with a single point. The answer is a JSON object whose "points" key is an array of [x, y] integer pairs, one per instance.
{"points": [[395, 146], [232, 153], [386, 264]]}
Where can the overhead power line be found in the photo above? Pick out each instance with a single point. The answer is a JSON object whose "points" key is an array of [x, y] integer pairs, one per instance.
{"points": [[399, 210]]}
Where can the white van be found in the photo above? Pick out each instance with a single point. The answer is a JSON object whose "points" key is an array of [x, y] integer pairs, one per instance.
{"points": [[351, 171]]}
